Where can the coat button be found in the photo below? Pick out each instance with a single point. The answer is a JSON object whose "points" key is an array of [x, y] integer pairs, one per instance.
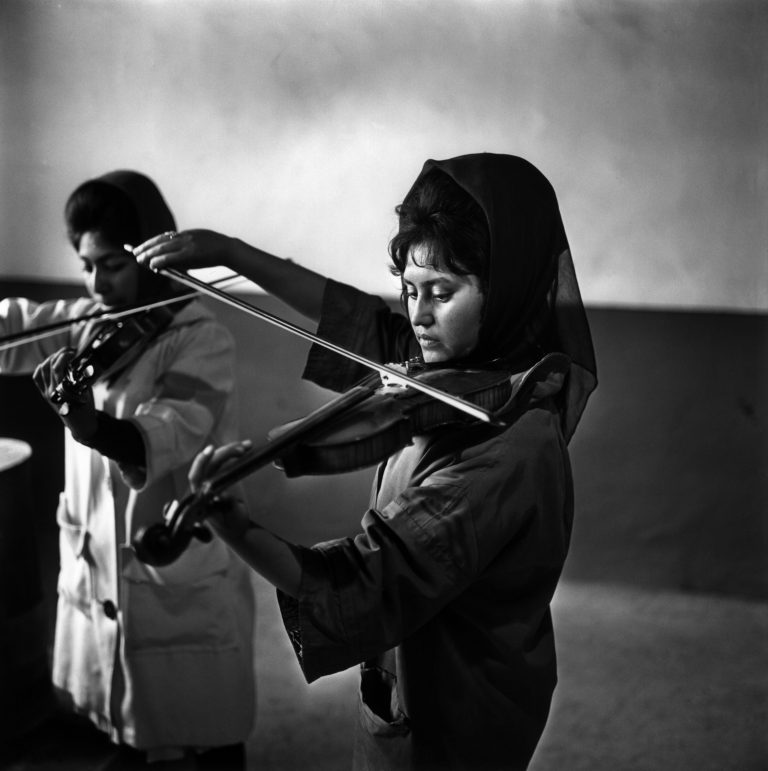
{"points": [[110, 611]]}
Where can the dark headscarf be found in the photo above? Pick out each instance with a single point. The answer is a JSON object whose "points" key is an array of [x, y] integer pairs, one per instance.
{"points": [[533, 305]]}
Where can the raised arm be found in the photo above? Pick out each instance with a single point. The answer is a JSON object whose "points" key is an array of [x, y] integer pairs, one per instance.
{"points": [[295, 285]]}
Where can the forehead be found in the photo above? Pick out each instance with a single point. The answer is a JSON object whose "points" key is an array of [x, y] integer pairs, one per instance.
{"points": [[419, 272], [94, 246]]}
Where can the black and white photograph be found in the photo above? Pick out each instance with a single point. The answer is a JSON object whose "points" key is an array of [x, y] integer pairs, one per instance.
{"points": [[383, 385]]}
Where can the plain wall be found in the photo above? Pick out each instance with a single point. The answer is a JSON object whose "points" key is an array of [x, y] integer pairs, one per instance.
{"points": [[299, 124]]}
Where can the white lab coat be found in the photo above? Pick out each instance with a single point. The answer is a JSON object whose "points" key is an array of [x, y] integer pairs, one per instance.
{"points": [[158, 658]]}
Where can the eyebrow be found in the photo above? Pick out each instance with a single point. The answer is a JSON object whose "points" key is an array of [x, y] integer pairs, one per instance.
{"points": [[117, 254], [430, 282]]}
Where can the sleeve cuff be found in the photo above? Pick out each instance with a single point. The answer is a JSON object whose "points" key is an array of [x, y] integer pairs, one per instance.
{"points": [[318, 653], [361, 323], [119, 440]]}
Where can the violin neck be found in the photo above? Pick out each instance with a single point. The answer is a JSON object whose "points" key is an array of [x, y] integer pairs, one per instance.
{"points": [[298, 431]]}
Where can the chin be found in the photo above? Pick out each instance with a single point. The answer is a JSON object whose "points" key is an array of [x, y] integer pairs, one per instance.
{"points": [[110, 303]]}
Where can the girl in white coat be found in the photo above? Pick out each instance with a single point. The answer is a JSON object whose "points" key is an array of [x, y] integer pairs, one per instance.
{"points": [[158, 659]]}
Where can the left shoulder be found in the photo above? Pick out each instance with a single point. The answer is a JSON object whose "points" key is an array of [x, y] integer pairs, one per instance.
{"points": [[527, 463], [537, 430], [480, 457]]}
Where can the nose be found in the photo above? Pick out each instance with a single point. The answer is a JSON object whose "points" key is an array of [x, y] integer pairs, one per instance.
{"points": [[421, 312]]}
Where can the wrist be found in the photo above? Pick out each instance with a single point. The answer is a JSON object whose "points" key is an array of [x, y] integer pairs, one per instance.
{"points": [[229, 520], [118, 439], [241, 255], [81, 422]]}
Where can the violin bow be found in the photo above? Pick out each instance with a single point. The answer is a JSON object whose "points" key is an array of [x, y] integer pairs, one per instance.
{"points": [[48, 330], [382, 369]]}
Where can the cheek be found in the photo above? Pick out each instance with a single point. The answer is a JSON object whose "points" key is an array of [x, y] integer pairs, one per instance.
{"points": [[129, 284], [469, 336], [466, 328]]}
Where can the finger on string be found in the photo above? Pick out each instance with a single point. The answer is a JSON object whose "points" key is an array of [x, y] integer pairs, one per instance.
{"points": [[45, 374], [59, 363], [210, 460], [229, 452], [199, 467]]}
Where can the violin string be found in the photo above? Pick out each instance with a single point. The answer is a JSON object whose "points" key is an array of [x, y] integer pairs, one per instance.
{"points": [[29, 336], [450, 399]]}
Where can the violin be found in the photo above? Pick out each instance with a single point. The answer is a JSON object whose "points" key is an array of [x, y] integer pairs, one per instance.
{"points": [[110, 349], [362, 427], [391, 416]]}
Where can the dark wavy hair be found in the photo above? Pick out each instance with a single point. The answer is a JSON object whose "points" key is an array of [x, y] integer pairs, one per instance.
{"points": [[103, 208], [100, 207], [448, 223]]}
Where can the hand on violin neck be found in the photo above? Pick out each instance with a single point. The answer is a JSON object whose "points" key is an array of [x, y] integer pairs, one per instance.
{"points": [[74, 407], [227, 514]]}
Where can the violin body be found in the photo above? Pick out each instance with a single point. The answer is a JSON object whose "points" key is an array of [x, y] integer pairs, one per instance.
{"points": [[389, 419], [361, 427], [111, 347]]}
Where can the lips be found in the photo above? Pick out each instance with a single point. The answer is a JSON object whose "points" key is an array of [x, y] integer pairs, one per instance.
{"points": [[109, 301], [428, 342]]}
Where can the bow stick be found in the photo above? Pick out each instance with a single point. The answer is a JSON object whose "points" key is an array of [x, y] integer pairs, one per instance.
{"points": [[383, 369], [48, 330]]}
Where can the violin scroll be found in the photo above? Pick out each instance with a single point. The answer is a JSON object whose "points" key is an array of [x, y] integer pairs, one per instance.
{"points": [[164, 542], [73, 385]]}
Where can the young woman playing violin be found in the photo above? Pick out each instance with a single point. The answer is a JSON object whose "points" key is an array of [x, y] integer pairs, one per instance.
{"points": [[154, 679], [443, 598]]}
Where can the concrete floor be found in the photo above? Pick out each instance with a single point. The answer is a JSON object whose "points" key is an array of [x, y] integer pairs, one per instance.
{"points": [[649, 681], [652, 681]]}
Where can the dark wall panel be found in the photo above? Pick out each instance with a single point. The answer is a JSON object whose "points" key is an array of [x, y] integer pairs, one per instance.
{"points": [[671, 459]]}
